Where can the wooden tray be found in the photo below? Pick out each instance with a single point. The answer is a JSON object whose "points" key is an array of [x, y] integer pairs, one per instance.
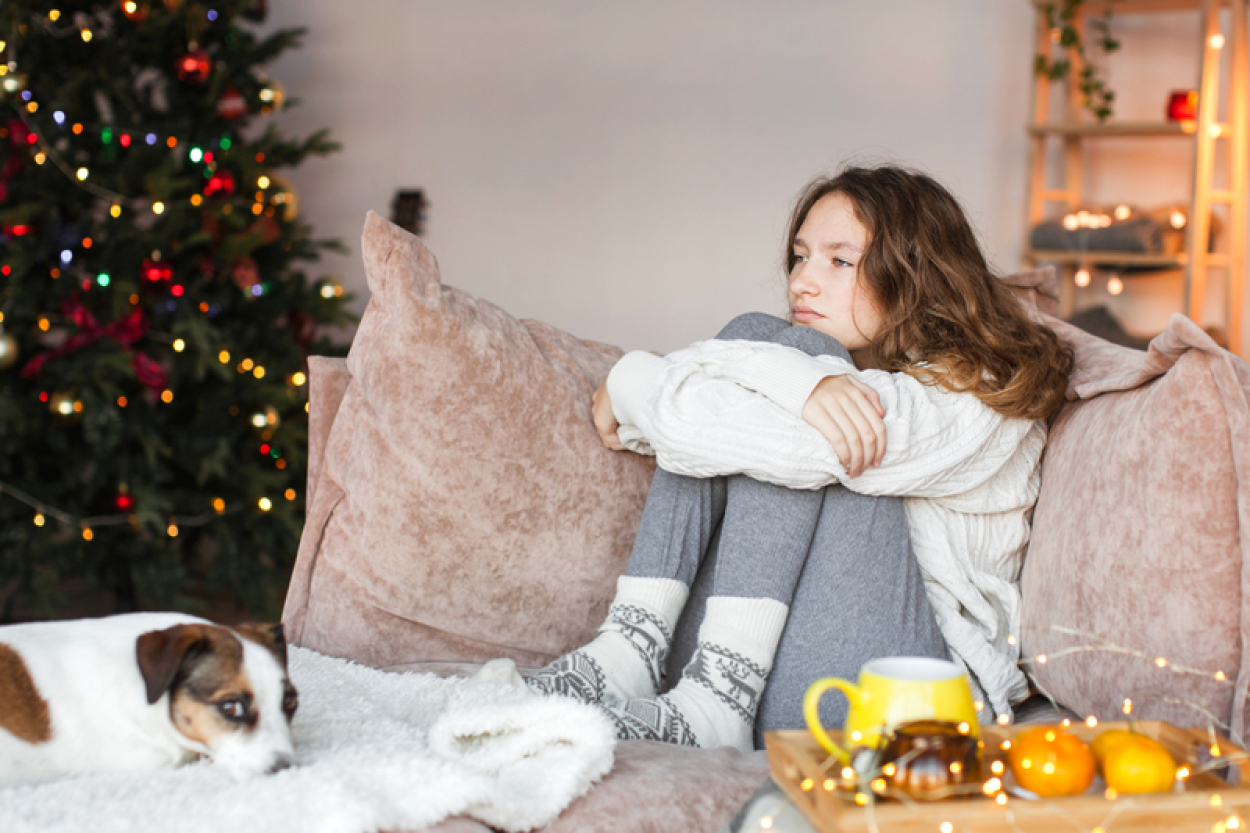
{"points": [[808, 776]]}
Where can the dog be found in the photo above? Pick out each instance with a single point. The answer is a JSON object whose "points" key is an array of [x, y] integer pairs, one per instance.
{"points": [[139, 691]]}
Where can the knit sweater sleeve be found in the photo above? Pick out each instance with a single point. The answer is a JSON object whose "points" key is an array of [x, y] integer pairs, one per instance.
{"points": [[733, 407]]}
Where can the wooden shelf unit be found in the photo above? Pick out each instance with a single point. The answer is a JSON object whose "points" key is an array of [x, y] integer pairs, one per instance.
{"points": [[1077, 128]]}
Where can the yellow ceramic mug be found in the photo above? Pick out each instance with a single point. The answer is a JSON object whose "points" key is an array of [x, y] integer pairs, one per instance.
{"points": [[891, 691]]}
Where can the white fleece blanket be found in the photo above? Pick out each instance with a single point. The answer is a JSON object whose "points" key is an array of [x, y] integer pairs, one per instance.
{"points": [[375, 751]]}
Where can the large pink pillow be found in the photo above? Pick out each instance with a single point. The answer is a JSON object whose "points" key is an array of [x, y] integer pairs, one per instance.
{"points": [[464, 507], [1140, 557]]}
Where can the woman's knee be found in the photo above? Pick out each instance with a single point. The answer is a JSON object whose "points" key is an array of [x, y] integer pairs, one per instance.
{"points": [[812, 342], [754, 326]]}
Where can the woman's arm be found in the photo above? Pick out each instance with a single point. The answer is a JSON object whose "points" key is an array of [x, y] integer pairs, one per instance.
{"points": [[726, 407]]}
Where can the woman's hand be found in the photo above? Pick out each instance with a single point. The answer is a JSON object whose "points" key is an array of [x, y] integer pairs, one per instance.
{"points": [[849, 415], [605, 419]]}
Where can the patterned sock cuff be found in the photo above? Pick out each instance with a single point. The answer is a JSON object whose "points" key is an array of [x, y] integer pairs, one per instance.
{"points": [[753, 626], [663, 596]]}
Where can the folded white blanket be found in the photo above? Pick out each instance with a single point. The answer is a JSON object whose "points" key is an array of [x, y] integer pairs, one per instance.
{"points": [[375, 751]]}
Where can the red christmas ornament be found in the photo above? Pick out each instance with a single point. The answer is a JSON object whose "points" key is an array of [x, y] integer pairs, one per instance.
{"points": [[124, 502], [220, 184], [194, 66], [267, 228], [231, 105], [156, 271], [246, 276]]}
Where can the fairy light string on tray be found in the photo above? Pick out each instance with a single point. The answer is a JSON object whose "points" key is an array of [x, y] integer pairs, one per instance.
{"points": [[869, 786]]}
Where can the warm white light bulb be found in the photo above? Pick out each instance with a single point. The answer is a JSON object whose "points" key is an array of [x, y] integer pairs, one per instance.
{"points": [[1216, 41], [1122, 212], [1082, 277], [83, 173], [1177, 219], [1115, 286]]}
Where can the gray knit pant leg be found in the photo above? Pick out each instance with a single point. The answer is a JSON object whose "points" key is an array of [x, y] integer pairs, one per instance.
{"points": [[850, 577], [682, 514]]}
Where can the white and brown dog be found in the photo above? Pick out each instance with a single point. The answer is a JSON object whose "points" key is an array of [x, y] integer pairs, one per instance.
{"points": [[142, 690]]}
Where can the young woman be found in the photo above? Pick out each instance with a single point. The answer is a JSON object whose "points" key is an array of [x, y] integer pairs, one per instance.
{"points": [[853, 483]]}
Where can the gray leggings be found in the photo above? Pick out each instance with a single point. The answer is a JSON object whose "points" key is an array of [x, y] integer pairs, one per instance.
{"points": [[842, 561]]}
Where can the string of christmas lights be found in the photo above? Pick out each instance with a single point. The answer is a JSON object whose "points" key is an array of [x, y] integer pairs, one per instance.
{"points": [[44, 511]]}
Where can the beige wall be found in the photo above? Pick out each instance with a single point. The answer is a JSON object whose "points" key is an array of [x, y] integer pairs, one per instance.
{"points": [[624, 168]]}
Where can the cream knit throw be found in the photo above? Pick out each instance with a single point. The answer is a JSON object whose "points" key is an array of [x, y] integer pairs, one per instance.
{"points": [[375, 751]]}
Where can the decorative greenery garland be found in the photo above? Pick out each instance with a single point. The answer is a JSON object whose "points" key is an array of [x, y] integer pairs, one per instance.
{"points": [[1063, 18]]}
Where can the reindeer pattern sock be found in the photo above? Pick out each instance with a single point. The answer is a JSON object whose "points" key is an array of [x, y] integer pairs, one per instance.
{"points": [[626, 658], [716, 700]]}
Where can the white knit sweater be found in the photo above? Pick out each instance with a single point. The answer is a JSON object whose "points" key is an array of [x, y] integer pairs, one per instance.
{"points": [[968, 476]]}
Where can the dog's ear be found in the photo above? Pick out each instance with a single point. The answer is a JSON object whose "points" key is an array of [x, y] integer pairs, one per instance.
{"points": [[161, 654], [267, 635]]}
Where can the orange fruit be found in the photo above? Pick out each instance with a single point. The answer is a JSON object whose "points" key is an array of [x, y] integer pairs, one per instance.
{"points": [[1051, 762], [1139, 764], [1105, 740]]}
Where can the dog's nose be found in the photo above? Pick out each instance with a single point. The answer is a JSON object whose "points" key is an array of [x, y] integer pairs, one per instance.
{"points": [[280, 764]]}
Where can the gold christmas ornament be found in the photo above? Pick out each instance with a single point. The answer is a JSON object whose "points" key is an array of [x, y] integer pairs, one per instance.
{"points": [[8, 351], [65, 407]]}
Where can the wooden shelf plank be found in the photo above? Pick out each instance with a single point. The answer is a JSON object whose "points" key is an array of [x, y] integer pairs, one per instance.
{"points": [[1132, 6], [1114, 128], [1106, 258]]}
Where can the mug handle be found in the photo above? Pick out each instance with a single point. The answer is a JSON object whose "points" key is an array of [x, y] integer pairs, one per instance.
{"points": [[811, 712]]}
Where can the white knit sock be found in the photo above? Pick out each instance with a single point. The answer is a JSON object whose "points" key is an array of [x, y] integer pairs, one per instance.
{"points": [[715, 702], [626, 659]]}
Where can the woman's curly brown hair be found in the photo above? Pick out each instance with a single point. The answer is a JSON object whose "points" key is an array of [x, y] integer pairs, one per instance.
{"points": [[945, 316]]}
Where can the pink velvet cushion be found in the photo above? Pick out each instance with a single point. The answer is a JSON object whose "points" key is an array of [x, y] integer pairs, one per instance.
{"points": [[1141, 535], [464, 507]]}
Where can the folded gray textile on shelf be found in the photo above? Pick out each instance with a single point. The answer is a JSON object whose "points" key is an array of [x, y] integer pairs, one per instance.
{"points": [[374, 751], [1140, 234]]}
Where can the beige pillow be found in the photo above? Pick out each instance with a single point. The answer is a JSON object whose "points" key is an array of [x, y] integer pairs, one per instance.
{"points": [[1141, 535], [464, 507]]}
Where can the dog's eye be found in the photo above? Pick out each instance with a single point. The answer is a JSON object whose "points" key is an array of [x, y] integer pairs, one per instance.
{"points": [[290, 702], [232, 709]]}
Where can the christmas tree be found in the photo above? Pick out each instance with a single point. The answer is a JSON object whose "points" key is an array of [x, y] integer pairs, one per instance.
{"points": [[155, 319]]}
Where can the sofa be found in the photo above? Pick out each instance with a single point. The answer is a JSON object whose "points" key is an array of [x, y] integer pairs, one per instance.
{"points": [[460, 507]]}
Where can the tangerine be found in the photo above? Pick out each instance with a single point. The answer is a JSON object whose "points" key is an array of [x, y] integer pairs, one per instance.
{"points": [[1051, 762], [1139, 764], [1105, 740]]}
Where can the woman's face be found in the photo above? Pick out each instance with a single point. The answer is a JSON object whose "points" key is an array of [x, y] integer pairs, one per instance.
{"points": [[825, 291]]}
